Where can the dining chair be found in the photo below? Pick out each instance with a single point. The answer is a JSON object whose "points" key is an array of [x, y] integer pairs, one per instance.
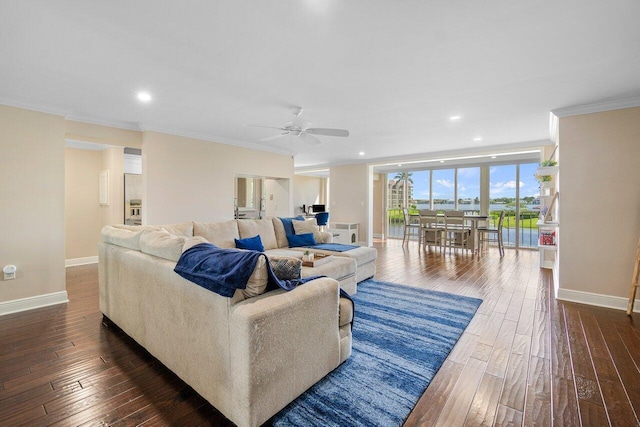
{"points": [[487, 234], [431, 230], [321, 219], [634, 282], [456, 233], [410, 228]]}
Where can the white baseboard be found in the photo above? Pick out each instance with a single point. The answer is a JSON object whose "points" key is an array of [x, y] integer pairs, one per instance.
{"points": [[30, 303], [80, 261], [599, 300], [378, 235]]}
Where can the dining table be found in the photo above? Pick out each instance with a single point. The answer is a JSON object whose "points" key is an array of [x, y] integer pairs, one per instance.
{"points": [[473, 221]]}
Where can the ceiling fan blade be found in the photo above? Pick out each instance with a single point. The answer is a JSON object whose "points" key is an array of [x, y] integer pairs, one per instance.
{"points": [[328, 132], [309, 139], [267, 127], [271, 138]]}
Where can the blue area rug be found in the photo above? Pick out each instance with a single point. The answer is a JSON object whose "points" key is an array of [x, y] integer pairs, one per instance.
{"points": [[401, 337]]}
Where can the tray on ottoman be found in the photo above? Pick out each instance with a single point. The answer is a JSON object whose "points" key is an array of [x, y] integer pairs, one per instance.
{"points": [[318, 259]]}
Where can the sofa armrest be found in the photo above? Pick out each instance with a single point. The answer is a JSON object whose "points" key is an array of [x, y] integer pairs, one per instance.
{"points": [[281, 344]]}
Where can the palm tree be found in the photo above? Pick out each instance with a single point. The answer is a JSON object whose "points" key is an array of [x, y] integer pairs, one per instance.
{"points": [[406, 178], [401, 176]]}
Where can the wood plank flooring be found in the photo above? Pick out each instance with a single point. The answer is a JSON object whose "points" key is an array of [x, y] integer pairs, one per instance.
{"points": [[525, 359]]}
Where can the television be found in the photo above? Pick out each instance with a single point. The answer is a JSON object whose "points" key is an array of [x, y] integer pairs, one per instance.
{"points": [[317, 208]]}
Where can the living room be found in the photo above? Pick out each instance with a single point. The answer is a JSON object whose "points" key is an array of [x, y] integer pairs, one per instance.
{"points": [[189, 172]]}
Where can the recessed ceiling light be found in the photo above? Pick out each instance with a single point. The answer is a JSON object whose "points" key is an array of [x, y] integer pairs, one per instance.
{"points": [[477, 138], [455, 118], [399, 164], [361, 153], [441, 161], [144, 96], [493, 157]]}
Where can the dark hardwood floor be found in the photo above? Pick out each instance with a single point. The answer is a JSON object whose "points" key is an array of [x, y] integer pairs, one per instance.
{"points": [[524, 359]]}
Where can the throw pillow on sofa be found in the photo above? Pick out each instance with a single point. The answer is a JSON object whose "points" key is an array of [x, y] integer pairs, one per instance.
{"points": [[302, 227], [250, 243], [299, 240], [286, 268]]}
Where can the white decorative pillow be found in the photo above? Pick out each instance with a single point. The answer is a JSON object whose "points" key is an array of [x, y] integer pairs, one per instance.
{"points": [[302, 227], [257, 283]]}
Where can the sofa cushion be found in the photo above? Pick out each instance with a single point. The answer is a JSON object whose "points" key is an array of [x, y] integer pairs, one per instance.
{"points": [[196, 240], [162, 244], [338, 268], [298, 240], [281, 235], [286, 268], [262, 227], [303, 227], [122, 237], [346, 312], [250, 243], [180, 229], [221, 234]]}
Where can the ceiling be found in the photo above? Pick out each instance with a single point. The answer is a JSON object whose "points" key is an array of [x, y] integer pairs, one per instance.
{"points": [[391, 72]]}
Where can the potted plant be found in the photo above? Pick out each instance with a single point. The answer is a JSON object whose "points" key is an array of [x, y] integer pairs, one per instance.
{"points": [[307, 256], [545, 171]]}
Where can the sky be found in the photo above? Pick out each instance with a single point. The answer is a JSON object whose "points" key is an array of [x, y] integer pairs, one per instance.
{"points": [[502, 182]]}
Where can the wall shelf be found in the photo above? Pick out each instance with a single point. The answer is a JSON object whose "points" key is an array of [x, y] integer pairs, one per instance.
{"points": [[548, 170]]}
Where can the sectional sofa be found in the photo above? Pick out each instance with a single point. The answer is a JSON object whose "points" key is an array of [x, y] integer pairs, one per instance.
{"points": [[248, 355]]}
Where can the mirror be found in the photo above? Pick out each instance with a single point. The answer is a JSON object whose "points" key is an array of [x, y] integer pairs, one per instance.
{"points": [[248, 197], [246, 191]]}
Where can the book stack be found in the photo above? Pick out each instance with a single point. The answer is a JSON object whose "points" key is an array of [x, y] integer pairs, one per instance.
{"points": [[547, 237]]}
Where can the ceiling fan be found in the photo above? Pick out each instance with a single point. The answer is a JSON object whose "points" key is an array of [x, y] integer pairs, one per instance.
{"points": [[300, 128]]}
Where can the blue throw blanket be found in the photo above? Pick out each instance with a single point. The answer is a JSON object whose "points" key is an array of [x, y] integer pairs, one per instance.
{"points": [[336, 247], [224, 270]]}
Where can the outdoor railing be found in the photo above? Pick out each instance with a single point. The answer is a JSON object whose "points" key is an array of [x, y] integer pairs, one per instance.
{"points": [[528, 233]]}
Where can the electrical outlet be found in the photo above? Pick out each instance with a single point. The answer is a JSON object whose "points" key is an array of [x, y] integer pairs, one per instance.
{"points": [[9, 272]]}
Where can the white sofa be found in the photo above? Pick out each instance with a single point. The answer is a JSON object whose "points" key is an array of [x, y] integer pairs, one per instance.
{"points": [[249, 356]]}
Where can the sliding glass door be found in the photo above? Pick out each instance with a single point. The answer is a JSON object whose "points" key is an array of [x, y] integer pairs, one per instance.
{"points": [[511, 187]]}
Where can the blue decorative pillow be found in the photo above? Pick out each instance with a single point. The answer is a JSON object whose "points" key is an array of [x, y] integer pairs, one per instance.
{"points": [[251, 243], [297, 240]]}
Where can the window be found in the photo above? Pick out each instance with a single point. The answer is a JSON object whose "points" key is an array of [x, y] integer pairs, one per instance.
{"points": [[468, 189], [443, 189]]}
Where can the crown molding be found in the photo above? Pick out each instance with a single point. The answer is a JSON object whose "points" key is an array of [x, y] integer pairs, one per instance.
{"points": [[120, 124], [212, 138], [597, 107], [42, 108], [85, 145]]}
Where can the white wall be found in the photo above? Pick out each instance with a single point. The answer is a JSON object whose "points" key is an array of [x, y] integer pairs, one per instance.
{"points": [[113, 161], [83, 217], [349, 189], [189, 179], [599, 204], [32, 180], [277, 197], [307, 191]]}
